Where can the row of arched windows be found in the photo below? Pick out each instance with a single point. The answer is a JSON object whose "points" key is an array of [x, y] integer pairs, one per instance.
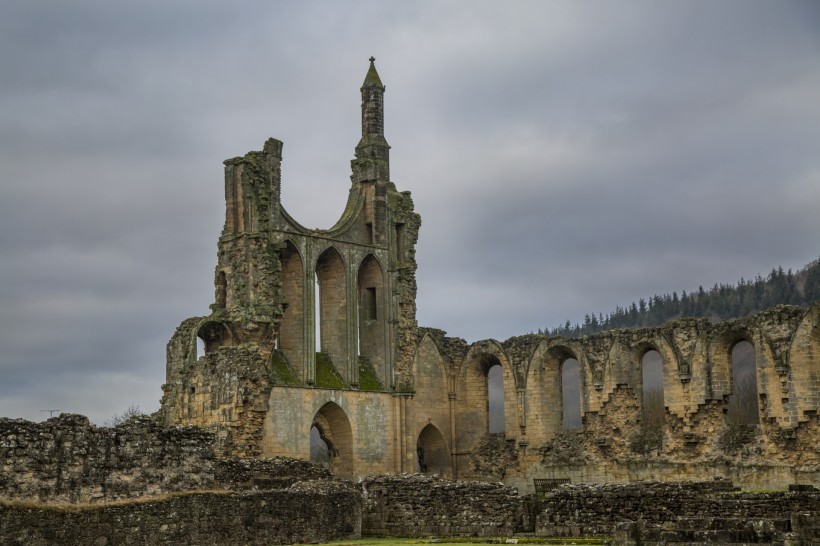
{"points": [[349, 321], [331, 310], [742, 403]]}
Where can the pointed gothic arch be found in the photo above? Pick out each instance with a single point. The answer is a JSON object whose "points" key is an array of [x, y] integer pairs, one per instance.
{"points": [[432, 455], [743, 404], [652, 396], [475, 396], [335, 430], [332, 311]]}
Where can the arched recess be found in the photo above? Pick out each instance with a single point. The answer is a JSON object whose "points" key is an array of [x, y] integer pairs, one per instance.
{"points": [[474, 396], [211, 335], [432, 455], [292, 326], [372, 312], [652, 403], [430, 382], [743, 406], [804, 367], [332, 315], [334, 429]]}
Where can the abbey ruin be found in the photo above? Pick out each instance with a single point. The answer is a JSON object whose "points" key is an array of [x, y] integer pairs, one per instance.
{"points": [[390, 396], [407, 413]]}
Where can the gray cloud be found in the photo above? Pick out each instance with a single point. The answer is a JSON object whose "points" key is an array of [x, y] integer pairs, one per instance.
{"points": [[565, 159]]}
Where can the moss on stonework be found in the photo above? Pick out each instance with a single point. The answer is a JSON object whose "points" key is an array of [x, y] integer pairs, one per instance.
{"points": [[280, 371], [368, 380], [326, 375]]}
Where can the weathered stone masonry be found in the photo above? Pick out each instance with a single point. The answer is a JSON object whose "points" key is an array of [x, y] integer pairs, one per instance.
{"points": [[385, 392]]}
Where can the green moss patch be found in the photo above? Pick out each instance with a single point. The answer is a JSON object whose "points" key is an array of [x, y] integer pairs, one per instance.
{"points": [[280, 371], [326, 375], [368, 380]]}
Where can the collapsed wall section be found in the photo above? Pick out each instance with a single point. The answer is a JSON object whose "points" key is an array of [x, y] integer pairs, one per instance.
{"points": [[594, 510], [66, 459], [423, 506], [305, 513]]}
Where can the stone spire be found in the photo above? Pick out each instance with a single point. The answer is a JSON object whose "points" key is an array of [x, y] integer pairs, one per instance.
{"points": [[372, 79], [372, 153]]}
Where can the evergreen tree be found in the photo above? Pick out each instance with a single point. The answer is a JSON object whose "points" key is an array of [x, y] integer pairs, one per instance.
{"points": [[722, 301]]}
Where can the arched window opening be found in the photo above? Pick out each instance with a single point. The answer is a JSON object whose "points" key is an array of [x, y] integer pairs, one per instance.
{"points": [[571, 394], [652, 396], [431, 452], [319, 450], [333, 428], [495, 398], [200, 347], [743, 407], [332, 309]]}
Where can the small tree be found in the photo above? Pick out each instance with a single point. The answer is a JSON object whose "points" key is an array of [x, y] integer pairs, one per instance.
{"points": [[121, 418]]}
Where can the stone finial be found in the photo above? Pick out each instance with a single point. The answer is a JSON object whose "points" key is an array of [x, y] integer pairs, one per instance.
{"points": [[372, 78]]}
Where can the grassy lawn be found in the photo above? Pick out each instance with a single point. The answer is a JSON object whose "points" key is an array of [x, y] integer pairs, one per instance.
{"points": [[392, 541]]}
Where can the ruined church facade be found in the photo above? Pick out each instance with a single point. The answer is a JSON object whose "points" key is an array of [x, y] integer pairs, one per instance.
{"points": [[317, 328]]}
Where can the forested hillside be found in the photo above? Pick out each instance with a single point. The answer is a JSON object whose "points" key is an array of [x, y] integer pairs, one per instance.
{"points": [[720, 302]]}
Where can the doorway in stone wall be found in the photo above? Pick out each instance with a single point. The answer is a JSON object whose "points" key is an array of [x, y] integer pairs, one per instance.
{"points": [[432, 456], [334, 430]]}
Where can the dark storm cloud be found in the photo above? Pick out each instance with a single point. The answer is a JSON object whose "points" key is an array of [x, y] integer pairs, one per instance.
{"points": [[661, 152], [566, 157]]}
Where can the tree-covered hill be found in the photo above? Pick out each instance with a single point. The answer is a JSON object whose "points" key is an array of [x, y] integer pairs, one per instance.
{"points": [[720, 302]]}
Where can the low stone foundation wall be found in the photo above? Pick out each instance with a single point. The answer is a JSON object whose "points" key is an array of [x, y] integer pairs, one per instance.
{"points": [[594, 510], [307, 512], [423, 506], [67, 459]]}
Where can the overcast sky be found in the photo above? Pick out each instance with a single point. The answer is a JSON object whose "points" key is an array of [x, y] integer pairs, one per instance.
{"points": [[566, 157]]}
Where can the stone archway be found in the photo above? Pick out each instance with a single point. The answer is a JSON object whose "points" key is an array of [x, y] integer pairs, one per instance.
{"points": [[432, 456], [334, 426]]}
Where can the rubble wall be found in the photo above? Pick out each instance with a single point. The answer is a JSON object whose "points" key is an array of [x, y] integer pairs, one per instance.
{"points": [[423, 506], [593, 510], [306, 513], [67, 459]]}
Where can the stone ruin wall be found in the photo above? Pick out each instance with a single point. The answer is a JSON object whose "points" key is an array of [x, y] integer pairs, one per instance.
{"points": [[680, 512], [309, 512], [236, 394], [66, 459], [65, 482], [424, 506], [695, 437]]}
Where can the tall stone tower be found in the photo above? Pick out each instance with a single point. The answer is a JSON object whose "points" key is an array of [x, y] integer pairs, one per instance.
{"points": [[305, 304]]}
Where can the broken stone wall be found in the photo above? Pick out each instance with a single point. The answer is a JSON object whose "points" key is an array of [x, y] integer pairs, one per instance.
{"points": [[697, 389], [66, 459], [423, 506], [593, 510], [307, 512], [226, 392]]}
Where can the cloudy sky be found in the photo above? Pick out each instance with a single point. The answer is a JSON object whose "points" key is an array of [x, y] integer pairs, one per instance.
{"points": [[566, 157]]}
